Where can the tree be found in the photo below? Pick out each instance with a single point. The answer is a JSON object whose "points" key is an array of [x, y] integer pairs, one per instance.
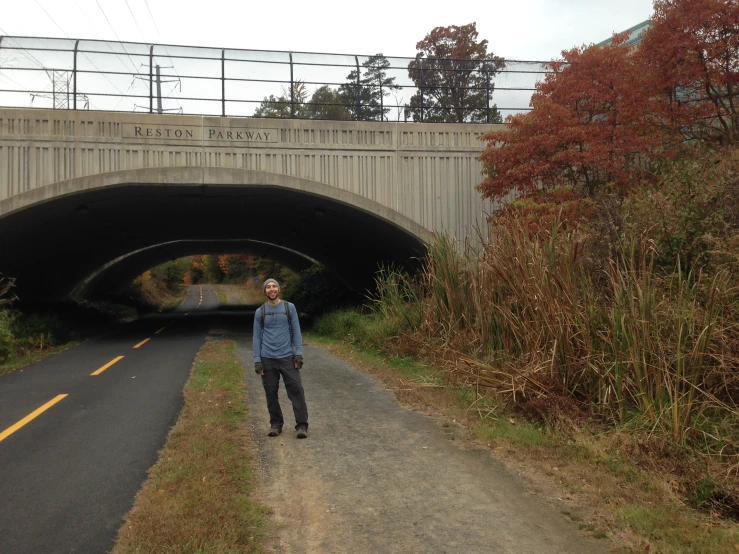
{"points": [[365, 99], [589, 127], [692, 53], [453, 73], [236, 266], [326, 103], [211, 271], [286, 105]]}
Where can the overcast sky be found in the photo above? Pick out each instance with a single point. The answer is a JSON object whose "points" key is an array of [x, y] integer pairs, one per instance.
{"points": [[515, 29]]}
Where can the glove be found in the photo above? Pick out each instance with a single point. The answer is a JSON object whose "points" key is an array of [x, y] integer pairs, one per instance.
{"points": [[298, 361], [259, 368]]}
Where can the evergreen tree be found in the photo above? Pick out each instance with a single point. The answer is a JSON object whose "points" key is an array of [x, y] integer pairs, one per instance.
{"points": [[365, 99]]}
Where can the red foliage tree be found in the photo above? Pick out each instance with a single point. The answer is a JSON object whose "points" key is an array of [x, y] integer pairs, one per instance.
{"points": [[692, 53], [453, 72], [589, 127]]}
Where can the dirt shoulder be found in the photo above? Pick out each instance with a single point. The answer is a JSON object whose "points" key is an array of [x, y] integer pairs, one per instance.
{"points": [[374, 476]]}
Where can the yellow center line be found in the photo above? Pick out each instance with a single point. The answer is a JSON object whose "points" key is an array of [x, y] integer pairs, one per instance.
{"points": [[143, 342], [106, 366], [160, 330], [30, 417]]}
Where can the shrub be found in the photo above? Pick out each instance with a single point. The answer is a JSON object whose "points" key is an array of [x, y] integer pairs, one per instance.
{"points": [[7, 345], [315, 291]]}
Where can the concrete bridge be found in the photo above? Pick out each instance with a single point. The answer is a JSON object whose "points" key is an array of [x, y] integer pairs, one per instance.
{"points": [[88, 199]]}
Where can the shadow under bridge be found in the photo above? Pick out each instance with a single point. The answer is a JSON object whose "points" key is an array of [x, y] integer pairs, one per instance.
{"points": [[93, 234]]}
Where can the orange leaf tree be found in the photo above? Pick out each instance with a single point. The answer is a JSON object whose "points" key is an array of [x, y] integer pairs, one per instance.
{"points": [[692, 53], [588, 129]]}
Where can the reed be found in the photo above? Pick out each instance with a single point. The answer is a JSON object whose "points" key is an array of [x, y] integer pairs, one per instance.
{"points": [[522, 315]]}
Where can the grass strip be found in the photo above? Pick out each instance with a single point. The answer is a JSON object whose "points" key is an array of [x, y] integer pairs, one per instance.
{"points": [[222, 297], [196, 498], [18, 362]]}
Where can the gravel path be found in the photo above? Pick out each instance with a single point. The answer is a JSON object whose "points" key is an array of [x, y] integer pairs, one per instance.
{"points": [[374, 477]]}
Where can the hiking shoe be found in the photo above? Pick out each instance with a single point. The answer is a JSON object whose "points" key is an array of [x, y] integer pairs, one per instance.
{"points": [[302, 433], [274, 432]]}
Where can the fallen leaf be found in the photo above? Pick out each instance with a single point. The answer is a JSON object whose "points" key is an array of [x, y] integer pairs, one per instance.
{"points": [[512, 421]]}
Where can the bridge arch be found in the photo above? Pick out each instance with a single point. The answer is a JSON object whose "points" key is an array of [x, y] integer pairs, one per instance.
{"points": [[64, 232]]}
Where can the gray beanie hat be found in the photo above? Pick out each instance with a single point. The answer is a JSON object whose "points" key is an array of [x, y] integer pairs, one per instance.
{"points": [[268, 281]]}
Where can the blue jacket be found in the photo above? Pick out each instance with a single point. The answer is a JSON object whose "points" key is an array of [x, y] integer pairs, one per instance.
{"points": [[275, 341]]}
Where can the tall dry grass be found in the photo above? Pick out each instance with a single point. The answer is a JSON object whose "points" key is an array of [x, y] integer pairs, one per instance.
{"points": [[524, 315]]}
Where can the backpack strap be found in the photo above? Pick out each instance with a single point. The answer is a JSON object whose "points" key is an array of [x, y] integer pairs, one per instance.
{"points": [[289, 321]]}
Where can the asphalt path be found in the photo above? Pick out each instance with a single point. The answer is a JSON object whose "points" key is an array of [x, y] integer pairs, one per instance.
{"points": [[68, 476]]}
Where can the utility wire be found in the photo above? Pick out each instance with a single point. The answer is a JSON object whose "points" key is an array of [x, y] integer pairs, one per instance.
{"points": [[113, 51], [160, 36], [116, 36], [152, 18], [151, 15], [136, 22], [28, 55], [85, 55]]}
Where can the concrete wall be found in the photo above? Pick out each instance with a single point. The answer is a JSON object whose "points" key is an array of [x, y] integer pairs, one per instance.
{"points": [[426, 172]]}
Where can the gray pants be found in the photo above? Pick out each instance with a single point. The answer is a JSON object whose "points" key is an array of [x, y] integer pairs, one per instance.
{"points": [[285, 367]]}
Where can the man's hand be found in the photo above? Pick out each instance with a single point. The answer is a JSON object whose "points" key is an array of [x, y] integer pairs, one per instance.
{"points": [[259, 368], [298, 361]]}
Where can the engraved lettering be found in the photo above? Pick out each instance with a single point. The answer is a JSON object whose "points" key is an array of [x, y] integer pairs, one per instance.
{"points": [[266, 136], [149, 132], [178, 133], [249, 135], [159, 132], [188, 133], [229, 135], [168, 132], [137, 131], [211, 132], [239, 135]]}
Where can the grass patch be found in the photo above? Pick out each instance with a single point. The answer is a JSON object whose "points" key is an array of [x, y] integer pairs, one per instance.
{"points": [[17, 362], [196, 498], [170, 305], [222, 298], [511, 430], [668, 530]]}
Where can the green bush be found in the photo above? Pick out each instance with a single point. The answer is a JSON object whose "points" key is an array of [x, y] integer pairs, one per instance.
{"points": [[351, 326], [316, 291], [6, 334], [171, 274]]}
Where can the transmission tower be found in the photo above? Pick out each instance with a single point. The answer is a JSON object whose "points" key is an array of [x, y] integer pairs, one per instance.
{"points": [[60, 90]]}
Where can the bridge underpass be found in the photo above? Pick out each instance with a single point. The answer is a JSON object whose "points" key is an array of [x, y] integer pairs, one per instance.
{"points": [[81, 190], [83, 232]]}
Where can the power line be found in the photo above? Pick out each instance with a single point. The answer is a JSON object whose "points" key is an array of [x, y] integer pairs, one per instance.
{"points": [[151, 15], [52, 19], [152, 18], [26, 54], [116, 36], [85, 55], [136, 22]]}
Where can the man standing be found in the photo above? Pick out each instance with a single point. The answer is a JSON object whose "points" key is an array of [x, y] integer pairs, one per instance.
{"points": [[278, 351]]}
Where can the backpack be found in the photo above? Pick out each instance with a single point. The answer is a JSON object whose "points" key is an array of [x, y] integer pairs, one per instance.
{"points": [[263, 314]]}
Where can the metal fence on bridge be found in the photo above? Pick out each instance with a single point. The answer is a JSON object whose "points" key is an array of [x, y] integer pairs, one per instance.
{"points": [[153, 78]]}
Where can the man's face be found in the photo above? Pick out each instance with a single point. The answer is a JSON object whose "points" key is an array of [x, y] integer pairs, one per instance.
{"points": [[271, 291]]}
